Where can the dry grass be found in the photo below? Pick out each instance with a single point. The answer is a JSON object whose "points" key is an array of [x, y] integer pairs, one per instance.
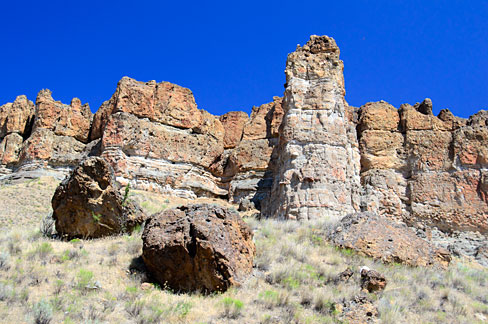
{"points": [[101, 281]]}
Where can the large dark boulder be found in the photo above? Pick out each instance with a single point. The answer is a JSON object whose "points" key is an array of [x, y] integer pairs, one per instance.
{"points": [[88, 203], [198, 248]]}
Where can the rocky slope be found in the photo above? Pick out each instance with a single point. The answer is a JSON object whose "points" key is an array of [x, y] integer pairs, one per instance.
{"points": [[302, 156]]}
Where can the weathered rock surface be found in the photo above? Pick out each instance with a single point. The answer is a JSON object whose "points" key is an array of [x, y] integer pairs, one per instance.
{"points": [[372, 281], [16, 117], [163, 102], [389, 241], [10, 148], [88, 204], [233, 123], [198, 248], [358, 310], [318, 159], [73, 120]]}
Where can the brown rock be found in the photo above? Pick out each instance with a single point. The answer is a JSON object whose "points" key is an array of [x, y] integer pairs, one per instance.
{"points": [[10, 148], [46, 147], [425, 107], [233, 123], [73, 120], [449, 119], [411, 119], [429, 150], [450, 200], [88, 204], [378, 116], [265, 120], [16, 117], [381, 150], [382, 238], [140, 137], [358, 310], [198, 248], [346, 274], [372, 281], [163, 102], [471, 146]]}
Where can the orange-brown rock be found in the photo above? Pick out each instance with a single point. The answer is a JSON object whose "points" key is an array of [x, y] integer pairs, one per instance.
{"points": [[73, 120], [471, 146], [163, 102], [358, 310], [381, 150], [429, 150], [387, 240], [412, 119], [198, 248], [233, 123], [141, 137], [265, 120], [372, 280], [16, 117], [88, 204], [10, 148], [379, 116], [50, 149], [450, 200]]}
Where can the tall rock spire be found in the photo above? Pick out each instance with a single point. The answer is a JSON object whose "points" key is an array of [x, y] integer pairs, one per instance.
{"points": [[318, 157]]}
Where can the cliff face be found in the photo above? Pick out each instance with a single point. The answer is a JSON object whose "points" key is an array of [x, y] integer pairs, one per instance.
{"points": [[318, 160], [424, 169], [302, 156]]}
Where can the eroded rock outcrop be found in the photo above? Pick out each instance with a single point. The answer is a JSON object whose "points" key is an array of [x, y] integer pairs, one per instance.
{"points": [[88, 204], [155, 138], [382, 238], [423, 169], [318, 159], [198, 248]]}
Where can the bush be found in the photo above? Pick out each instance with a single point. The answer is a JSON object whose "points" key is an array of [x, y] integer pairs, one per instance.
{"points": [[42, 312], [47, 225], [84, 280], [232, 307]]}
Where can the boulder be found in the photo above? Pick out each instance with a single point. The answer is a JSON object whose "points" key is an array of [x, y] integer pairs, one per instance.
{"points": [[372, 281], [88, 203], [382, 238], [198, 248]]}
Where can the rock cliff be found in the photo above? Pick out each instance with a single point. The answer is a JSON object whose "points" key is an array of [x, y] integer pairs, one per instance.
{"points": [[302, 156], [317, 170]]}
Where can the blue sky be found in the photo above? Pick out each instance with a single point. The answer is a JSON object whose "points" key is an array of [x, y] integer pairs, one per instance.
{"points": [[232, 54]]}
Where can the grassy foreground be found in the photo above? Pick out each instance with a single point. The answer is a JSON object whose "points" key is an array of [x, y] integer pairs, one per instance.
{"points": [[103, 281]]}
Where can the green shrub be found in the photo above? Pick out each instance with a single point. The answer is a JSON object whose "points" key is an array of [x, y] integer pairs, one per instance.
{"points": [[84, 280], [42, 312], [232, 307]]}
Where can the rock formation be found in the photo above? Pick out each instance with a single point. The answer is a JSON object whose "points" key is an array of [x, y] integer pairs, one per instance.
{"points": [[422, 169], [305, 155], [198, 248], [88, 204], [383, 238], [318, 159]]}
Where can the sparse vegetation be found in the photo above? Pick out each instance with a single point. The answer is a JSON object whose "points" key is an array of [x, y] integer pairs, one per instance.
{"points": [[294, 281]]}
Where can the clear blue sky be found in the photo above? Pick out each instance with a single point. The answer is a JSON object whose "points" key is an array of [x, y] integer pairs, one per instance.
{"points": [[232, 54]]}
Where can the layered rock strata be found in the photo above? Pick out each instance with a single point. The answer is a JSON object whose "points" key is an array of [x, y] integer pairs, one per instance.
{"points": [[317, 171], [423, 169]]}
